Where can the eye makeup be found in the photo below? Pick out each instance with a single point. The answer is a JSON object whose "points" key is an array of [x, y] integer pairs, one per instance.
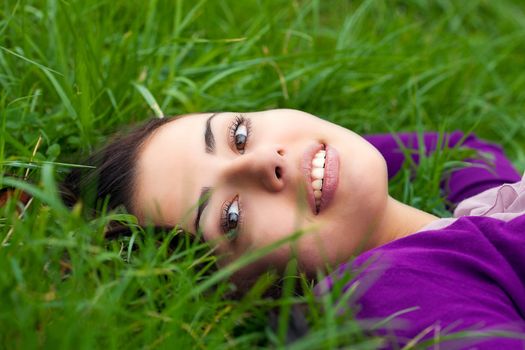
{"points": [[239, 132], [231, 218]]}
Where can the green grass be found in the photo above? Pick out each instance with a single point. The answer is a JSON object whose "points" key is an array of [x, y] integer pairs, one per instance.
{"points": [[73, 72]]}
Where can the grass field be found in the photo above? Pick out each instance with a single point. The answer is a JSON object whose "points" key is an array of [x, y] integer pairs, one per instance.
{"points": [[73, 72]]}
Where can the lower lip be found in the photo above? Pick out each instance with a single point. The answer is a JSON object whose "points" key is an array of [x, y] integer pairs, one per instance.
{"points": [[331, 177]]}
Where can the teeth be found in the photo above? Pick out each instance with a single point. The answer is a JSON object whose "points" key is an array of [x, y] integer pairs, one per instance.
{"points": [[317, 184], [318, 162], [318, 173]]}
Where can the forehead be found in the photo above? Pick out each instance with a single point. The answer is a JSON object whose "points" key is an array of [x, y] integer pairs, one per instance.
{"points": [[168, 177]]}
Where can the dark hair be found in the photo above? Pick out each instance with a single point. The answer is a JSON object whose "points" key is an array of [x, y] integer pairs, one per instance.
{"points": [[108, 182], [109, 178]]}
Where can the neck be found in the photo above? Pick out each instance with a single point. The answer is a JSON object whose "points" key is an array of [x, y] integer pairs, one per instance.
{"points": [[400, 220]]}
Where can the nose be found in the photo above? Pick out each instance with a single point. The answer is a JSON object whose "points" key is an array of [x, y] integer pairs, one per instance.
{"points": [[264, 166]]}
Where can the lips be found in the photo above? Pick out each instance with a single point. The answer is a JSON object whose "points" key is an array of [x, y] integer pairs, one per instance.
{"points": [[330, 178]]}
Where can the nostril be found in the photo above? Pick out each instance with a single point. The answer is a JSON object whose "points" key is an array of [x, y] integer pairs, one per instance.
{"points": [[278, 172]]}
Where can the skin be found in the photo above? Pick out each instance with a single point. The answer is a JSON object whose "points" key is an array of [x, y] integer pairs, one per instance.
{"points": [[173, 166]]}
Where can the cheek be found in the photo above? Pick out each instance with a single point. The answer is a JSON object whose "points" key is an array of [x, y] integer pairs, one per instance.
{"points": [[288, 126], [272, 220]]}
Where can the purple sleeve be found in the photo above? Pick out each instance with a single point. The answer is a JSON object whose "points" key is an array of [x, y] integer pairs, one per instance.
{"points": [[462, 183], [467, 276]]}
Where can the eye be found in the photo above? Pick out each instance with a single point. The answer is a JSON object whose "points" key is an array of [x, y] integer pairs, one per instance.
{"points": [[241, 135], [230, 218], [239, 132]]}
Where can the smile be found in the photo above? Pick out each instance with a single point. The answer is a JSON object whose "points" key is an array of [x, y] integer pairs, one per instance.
{"points": [[321, 169], [317, 175]]}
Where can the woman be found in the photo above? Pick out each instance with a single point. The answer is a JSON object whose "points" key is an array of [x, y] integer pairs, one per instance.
{"points": [[248, 180]]}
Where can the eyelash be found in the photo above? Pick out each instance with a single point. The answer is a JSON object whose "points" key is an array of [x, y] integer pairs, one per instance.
{"points": [[224, 217], [232, 129], [238, 121]]}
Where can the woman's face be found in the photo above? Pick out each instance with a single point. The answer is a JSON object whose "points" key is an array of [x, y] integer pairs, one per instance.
{"points": [[247, 180]]}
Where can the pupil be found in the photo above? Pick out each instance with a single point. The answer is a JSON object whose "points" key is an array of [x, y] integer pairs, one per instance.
{"points": [[240, 140], [232, 220]]}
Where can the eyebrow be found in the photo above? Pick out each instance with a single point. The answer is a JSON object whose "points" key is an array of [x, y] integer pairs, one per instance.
{"points": [[204, 198], [209, 139]]}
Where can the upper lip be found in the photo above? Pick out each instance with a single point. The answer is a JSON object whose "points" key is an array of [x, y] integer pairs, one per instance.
{"points": [[307, 171]]}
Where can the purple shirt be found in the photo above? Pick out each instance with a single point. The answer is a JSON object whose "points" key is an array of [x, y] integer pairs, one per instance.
{"points": [[466, 275], [463, 183]]}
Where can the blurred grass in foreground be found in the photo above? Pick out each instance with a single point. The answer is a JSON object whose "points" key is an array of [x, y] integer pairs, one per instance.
{"points": [[73, 72]]}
